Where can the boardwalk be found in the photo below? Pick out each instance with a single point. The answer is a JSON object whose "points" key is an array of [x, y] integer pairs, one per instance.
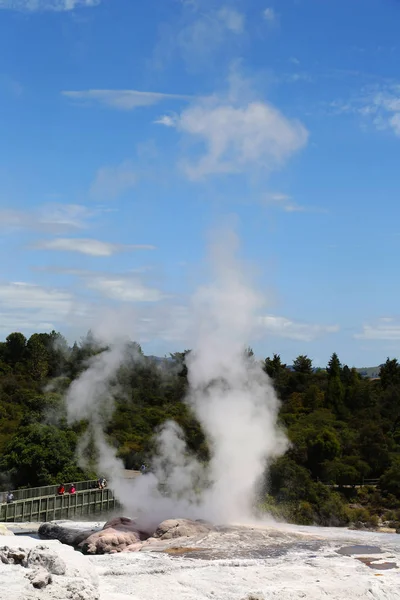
{"points": [[43, 504]]}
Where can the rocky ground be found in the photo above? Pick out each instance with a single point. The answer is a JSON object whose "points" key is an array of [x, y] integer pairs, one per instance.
{"points": [[189, 560]]}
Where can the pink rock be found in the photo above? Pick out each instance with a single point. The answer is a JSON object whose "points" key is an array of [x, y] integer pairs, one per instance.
{"points": [[109, 541], [134, 547], [173, 528]]}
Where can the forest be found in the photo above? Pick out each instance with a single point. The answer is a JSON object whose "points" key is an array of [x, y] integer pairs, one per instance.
{"points": [[344, 428]]}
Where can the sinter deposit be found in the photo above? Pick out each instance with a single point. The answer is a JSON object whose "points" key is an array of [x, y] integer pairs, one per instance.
{"points": [[187, 560]]}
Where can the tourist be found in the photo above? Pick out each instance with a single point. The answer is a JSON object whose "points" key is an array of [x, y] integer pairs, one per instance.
{"points": [[61, 489], [10, 497], [101, 483], [72, 489]]}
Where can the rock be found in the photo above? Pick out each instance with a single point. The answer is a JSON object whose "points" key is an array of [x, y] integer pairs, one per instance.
{"points": [[125, 524], [174, 528], [48, 559], [254, 596], [79, 589], [4, 530], [109, 541], [12, 556], [117, 535], [40, 578], [65, 588], [133, 547], [71, 537]]}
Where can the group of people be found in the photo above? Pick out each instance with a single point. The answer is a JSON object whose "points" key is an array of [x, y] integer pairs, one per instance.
{"points": [[61, 489], [100, 484]]}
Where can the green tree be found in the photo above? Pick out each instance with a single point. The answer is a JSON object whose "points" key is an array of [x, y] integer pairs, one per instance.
{"points": [[303, 364], [274, 366], [15, 350], [389, 482], [390, 373], [40, 455], [335, 391], [38, 364], [334, 367]]}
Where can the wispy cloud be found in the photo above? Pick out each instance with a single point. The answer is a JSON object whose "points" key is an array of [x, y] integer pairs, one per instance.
{"points": [[238, 135], [120, 99], [113, 181], [270, 15], [385, 329], [286, 203], [200, 33], [283, 202], [295, 330], [123, 288], [377, 104], [231, 19], [167, 120], [28, 307], [54, 218], [89, 247], [47, 5]]}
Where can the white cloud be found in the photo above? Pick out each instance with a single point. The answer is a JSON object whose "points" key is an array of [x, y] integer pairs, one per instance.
{"points": [[394, 123], [50, 217], [385, 328], [166, 120], [121, 99], [286, 203], [47, 5], [295, 330], [123, 288], [269, 15], [239, 136], [89, 246], [29, 307], [379, 104], [231, 19], [200, 34], [112, 181]]}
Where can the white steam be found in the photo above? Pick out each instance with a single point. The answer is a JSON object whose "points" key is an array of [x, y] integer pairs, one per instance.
{"points": [[230, 395]]}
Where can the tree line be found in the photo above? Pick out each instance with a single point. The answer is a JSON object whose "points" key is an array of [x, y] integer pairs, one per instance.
{"points": [[343, 428]]}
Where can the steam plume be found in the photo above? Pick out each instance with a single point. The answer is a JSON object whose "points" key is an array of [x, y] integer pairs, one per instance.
{"points": [[231, 396]]}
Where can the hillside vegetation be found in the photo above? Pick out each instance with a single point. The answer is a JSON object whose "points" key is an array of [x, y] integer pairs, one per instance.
{"points": [[343, 428]]}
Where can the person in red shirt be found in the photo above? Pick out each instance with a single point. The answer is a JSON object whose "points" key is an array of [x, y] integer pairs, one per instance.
{"points": [[72, 489], [61, 490]]}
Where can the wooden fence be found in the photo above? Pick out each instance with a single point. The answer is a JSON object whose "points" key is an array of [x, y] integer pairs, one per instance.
{"points": [[52, 507]]}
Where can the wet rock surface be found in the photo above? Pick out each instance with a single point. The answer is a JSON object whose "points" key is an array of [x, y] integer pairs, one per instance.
{"points": [[116, 536], [175, 528], [65, 535]]}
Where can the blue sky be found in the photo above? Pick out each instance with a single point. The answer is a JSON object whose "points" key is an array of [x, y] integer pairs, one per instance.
{"points": [[130, 129]]}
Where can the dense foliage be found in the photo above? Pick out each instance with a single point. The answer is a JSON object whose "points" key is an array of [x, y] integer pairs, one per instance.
{"points": [[344, 428]]}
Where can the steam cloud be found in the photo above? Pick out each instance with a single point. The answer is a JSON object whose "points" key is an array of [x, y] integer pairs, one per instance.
{"points": [[230, 394]]}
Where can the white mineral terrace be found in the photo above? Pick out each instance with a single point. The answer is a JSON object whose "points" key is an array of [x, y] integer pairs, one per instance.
{"points": [[260, 562]]}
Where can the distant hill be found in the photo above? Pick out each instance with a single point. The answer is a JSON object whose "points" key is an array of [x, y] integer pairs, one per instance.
{"points": [[370, 372]]}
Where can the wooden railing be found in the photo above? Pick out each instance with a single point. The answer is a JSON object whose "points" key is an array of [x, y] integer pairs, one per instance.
{"points": [[49, 490], [52, 507]]}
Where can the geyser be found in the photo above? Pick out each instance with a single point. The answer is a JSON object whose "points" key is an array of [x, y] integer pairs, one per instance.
{"points": [[230, 394]]}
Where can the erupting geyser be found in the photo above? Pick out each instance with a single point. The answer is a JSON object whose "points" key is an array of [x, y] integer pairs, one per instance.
{"points": [[230, 394]]}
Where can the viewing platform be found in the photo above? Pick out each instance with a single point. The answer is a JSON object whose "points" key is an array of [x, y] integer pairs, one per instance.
{"points": [[44, 504]]}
